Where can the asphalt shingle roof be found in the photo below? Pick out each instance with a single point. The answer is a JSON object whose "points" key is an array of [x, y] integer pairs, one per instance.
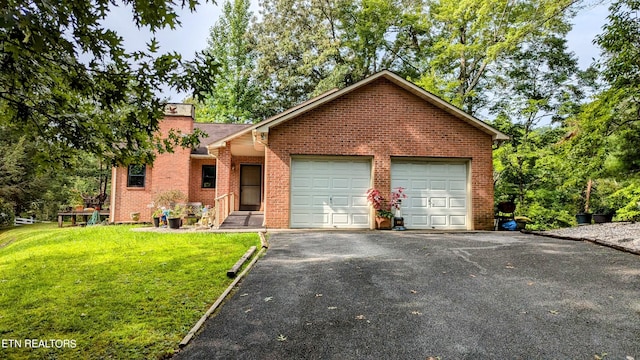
{"points": [[216, 131]]}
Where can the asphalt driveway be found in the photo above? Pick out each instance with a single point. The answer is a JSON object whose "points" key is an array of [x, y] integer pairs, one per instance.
{"points": [[411, 295]]}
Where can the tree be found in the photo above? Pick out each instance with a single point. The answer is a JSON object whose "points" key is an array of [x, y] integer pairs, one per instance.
{"points": [[68, 85], [620, 44], [30, 189], [22, 181], [537, 82], [298, 45], [307, 47], [467, 38], [615, 113], [235, 97]]}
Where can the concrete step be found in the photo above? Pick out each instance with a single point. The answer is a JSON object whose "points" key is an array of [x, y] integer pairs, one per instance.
{"points": [[244, 220]]}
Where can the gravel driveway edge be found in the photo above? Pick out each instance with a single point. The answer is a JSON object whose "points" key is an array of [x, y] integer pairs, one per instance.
{"points": [[624, 236]]}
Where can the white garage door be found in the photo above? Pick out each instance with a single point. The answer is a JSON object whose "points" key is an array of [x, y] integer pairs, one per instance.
{"points": [[330, 193], [436, 194]]}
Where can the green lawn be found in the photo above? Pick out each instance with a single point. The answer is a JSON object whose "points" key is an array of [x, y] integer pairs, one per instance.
{"points": [[107, 291]]}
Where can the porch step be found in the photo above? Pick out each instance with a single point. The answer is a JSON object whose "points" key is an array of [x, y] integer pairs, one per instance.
{"points": [[244, 220]]}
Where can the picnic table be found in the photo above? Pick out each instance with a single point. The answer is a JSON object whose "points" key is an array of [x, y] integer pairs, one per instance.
{"points": [[74, 216]]}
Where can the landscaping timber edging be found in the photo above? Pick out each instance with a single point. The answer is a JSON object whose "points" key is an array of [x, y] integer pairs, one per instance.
{"points": [[236, 267]]}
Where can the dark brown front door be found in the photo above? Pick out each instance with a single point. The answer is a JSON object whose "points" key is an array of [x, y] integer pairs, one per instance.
{"points": [[250, 187]]}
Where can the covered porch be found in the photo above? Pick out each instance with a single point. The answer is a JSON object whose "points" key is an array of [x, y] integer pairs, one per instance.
{"points": [[240, 181]]}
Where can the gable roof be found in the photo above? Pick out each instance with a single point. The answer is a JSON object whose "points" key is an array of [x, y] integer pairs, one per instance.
{"points": [[264, 126]]}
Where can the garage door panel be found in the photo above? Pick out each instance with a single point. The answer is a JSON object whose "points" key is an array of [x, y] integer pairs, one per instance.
{"points": [[320, 218], [320, 183], [363, 183], [360, 201], [437, 185], [439, 170], [458, 220], [438, 220], [438, 202], [319, 201], [300, 200], [419, 184], [302, 166], [402, 183], [458, 203], [458, 185], [340, 201], [340, 183], [417, 220], [306, 219], [320, 166], [361, 219], [339, 219], [301, 218], [417, 202], [457, 170], [301, 183], [331, 194]]}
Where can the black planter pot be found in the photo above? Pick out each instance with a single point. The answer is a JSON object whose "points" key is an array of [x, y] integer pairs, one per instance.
{"points": [[156, 222], [174, 223], [583, 218], [602, 218]]}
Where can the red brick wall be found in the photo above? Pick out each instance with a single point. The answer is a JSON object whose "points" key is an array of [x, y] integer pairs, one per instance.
{"points": [[169, 172], [379, 120], [223, 170], [196, 193]]}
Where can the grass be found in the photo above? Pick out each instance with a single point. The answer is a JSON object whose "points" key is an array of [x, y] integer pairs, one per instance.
{"points": [[109, 291]]}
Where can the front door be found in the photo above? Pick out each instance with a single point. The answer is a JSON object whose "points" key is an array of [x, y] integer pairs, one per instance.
{"points": [[250, 187]]}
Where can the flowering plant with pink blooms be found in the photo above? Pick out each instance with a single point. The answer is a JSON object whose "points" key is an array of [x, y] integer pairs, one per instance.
{"points": [[380, 204]]}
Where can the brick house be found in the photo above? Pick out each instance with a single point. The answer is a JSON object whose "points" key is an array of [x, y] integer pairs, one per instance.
{"points": [[310, 166]]}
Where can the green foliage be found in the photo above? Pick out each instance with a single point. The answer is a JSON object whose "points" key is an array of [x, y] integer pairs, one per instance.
{"points": [[234, 98], [120, 294], [6, 213], [545, 218], [466, 39], [307, 47], [68, 85], [628, 200], [35, 190]]}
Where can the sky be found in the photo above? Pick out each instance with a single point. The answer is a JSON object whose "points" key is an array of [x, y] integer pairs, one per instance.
{"points": [[192, 36]]}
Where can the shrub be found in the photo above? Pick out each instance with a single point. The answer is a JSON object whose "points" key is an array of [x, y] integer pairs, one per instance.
{"points": [[629, 200], [6, 214]]}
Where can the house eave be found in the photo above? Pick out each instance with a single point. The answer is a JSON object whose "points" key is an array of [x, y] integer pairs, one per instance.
{"points": [[202, 156]]}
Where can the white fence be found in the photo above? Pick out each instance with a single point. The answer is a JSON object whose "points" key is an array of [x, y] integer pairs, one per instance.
{"points": [[23, 221]]}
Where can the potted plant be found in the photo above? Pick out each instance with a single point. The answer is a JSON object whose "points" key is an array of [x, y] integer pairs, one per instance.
{"points": [[170, 200], [157, 214], [396, 200], [603, 212], [603, 205], [135, 216], [175, 216], [383, 208]]}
